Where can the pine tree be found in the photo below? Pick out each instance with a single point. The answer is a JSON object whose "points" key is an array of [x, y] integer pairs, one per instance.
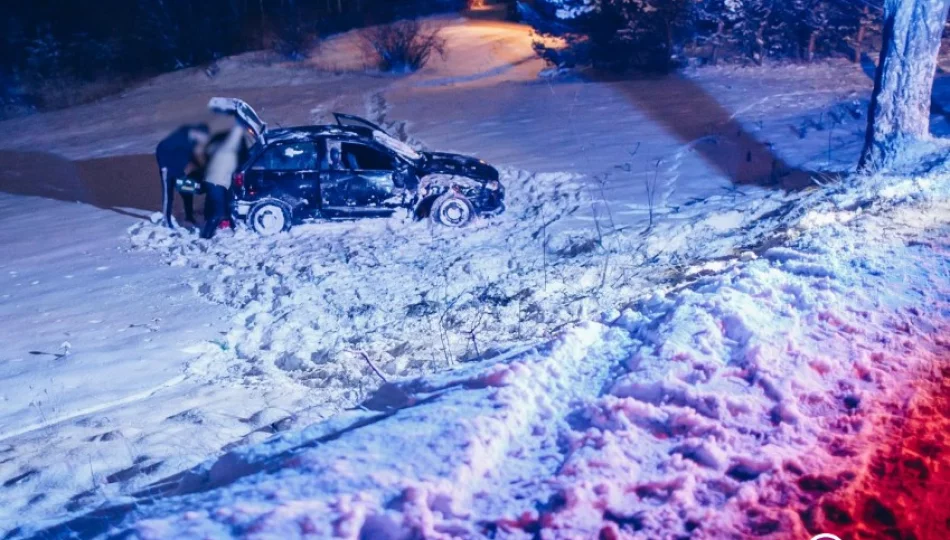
{"points": [[617, 34]]}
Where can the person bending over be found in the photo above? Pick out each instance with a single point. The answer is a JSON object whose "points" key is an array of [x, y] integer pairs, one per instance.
{"points": [[176, 154]]}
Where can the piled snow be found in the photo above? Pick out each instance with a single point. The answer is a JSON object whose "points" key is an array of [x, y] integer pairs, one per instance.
{"points": [[328, 303], [742, 403]]}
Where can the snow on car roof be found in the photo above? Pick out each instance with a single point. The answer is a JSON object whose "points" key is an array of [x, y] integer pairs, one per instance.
{"points": [[309, 132]]}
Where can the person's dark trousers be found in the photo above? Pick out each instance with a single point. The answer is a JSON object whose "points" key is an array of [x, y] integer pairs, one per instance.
{"points": [[168, 196], [208, 210], [217, 205]]}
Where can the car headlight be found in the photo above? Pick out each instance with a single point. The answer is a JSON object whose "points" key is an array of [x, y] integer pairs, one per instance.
{"points": [[493, 185]]}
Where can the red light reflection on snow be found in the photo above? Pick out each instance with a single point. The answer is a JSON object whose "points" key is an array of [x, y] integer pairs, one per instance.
{"points": [[904, 490]]}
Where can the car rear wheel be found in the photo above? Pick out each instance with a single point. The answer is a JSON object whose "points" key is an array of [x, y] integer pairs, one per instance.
{"points": [[452, 210], [270, 217]]}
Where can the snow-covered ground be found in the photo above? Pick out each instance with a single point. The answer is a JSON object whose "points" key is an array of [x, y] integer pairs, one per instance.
{"points": [[604, 337], [785, 392]]}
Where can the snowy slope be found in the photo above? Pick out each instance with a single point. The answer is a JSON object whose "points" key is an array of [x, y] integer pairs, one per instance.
{"points": [[86, 329], [750, 401], [617, 189], [105, 365]]}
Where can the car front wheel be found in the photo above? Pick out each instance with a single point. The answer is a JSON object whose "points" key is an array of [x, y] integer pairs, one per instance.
{"points": [[452, 210], [270, 217]]}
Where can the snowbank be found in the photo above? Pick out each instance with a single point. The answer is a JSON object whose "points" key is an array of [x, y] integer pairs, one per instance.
{"points": [[330, 303]]}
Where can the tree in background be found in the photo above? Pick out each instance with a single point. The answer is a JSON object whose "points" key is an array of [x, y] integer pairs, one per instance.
{"points": [[659, 35], [295, 30], [612, 34], [900, 103], [60, 45]]}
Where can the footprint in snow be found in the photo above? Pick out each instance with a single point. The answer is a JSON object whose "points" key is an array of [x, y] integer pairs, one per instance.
{"points": [[107, 436], [136, 469], [21, 478], [193, 416]]}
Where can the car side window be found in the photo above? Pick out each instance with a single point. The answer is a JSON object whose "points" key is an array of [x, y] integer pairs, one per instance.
{"points": [[294, 156], [363, 157]]}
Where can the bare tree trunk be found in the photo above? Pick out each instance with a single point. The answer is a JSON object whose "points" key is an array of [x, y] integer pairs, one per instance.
{"points": [[859, 39], [900, 103], [720, 28], [261, 4], [759, 55]]}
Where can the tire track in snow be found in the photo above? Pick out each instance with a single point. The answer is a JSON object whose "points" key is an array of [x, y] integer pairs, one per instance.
{"points": [[747, 399], [139, 396], [519, 478], [506, 440]]}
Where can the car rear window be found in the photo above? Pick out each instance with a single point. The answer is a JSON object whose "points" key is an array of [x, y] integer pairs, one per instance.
{"points": [[294, 156]]}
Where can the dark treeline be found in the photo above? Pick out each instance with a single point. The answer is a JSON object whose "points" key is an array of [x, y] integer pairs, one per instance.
{"points": [[665, 34], [45, 41]]}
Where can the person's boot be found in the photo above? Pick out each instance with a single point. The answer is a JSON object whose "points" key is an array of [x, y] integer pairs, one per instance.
{"points": [[207, 232]]}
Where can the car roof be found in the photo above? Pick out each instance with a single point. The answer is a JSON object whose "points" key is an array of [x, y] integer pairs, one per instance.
{"points": [[312, 132]]}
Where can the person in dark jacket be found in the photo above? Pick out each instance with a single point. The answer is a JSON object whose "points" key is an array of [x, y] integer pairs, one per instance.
{"points": [[179, 152]]}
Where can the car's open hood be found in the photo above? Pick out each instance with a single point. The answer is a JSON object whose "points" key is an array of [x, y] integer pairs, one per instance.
{"points": [[397, 146], [443, 163], [243, 112]]}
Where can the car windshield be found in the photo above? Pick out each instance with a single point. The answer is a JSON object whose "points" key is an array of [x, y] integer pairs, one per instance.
{"points": [[397, 146]]}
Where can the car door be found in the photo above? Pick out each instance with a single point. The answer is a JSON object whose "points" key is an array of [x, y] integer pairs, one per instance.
{"points": [[289, 169], [362, 183]]}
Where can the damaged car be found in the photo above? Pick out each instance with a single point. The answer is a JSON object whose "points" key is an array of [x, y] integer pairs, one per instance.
{"points": [[348, 170]]}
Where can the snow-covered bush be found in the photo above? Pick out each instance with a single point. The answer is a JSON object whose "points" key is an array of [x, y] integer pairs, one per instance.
{"points": [[403, 46]]}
